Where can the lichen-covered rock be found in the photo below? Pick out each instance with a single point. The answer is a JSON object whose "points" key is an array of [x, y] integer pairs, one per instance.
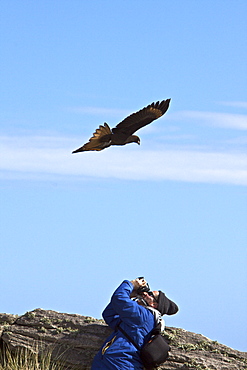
{"points": [[6, 320], [195, 351], [73, 341]]}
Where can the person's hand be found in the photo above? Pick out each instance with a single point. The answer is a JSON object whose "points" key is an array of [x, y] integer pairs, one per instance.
{"points": [[137, 283]]}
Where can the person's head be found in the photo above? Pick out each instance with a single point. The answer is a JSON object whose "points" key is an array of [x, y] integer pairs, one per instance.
{"points": [[150, 299], [158, 300]]}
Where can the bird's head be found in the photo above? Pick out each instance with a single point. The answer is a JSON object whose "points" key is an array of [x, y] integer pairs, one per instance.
{"points": [[134, 139]]}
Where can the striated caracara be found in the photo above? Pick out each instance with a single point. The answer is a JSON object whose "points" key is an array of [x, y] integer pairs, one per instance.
{"points": [[122, 134]]}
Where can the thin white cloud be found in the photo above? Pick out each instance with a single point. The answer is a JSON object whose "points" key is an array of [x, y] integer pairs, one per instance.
{"points": [[237, 141], [237, 104], [224, 120], [48, 157]]}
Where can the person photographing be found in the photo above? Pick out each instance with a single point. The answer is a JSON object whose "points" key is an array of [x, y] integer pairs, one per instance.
{"points": [[133, 312]]}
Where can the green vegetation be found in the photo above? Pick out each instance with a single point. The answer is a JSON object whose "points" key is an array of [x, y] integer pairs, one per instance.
{"points": [[201, 346], [89, 319], [193, 364], [26, 360]]}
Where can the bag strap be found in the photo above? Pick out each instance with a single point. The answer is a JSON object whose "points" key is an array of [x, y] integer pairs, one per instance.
{"points": [[156, 330], [127, 336]]}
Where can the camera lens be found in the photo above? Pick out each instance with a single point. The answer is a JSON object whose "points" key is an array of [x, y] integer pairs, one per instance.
{"points": [[143, 289]]}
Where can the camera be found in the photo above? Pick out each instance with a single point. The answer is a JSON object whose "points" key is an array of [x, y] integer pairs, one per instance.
{"points": [[142, 289]]}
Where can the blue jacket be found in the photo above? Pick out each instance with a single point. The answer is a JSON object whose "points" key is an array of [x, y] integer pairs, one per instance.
{"points": [[117, 351]]}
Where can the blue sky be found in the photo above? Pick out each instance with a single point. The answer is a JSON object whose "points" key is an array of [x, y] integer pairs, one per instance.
{"points": [[173, 209]]}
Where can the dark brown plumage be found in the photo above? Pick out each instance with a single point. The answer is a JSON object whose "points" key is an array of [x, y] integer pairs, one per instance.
{"points": [[122, 134]]}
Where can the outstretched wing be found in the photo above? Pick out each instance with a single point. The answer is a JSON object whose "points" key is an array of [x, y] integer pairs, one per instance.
{"points": [[142, 118], [100, 139]]}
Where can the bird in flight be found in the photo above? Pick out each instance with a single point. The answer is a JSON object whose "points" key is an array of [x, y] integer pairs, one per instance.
{"points": [[122, 134]]}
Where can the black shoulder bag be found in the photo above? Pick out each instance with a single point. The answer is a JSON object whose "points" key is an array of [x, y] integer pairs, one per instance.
{"points": [[155, 351]]}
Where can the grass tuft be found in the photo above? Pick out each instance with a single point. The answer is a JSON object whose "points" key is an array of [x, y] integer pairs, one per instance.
{"points": [[24, 359]]}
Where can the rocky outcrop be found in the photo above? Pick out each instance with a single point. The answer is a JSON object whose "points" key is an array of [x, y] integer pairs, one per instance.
{"points": [[73, 341]]}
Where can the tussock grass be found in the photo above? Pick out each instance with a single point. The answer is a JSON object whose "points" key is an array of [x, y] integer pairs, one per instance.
{"points": [[24, 359]]}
